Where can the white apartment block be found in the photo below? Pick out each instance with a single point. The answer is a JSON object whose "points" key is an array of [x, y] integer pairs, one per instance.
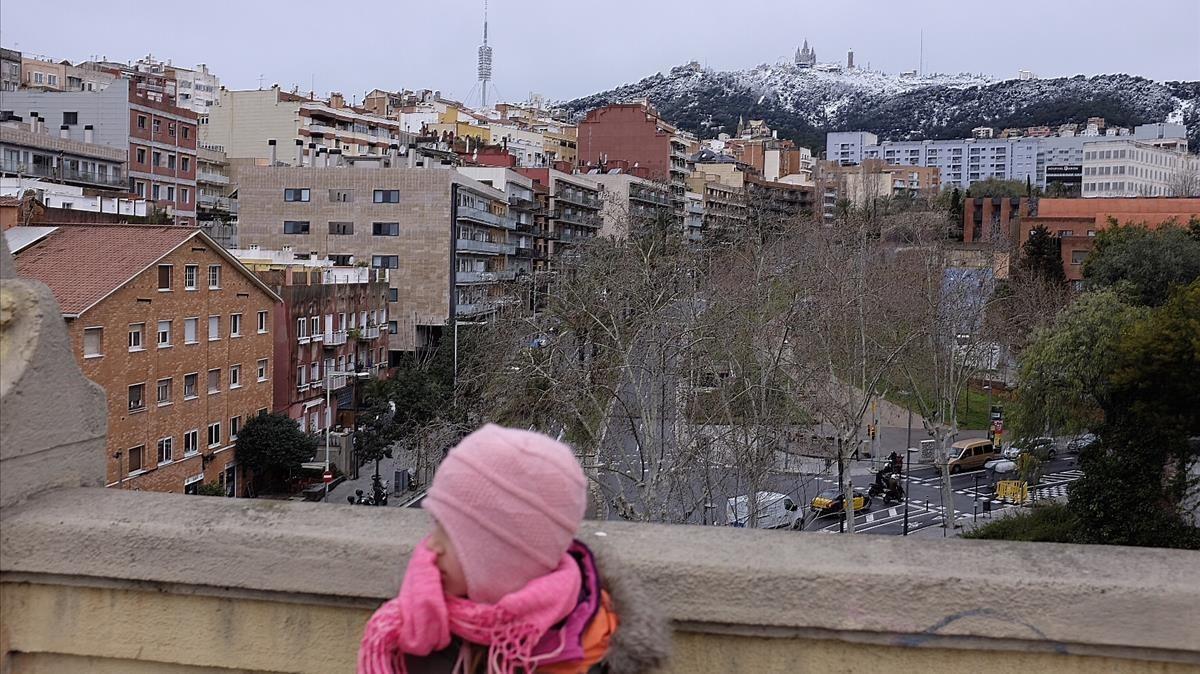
{"points": [[196, 89], [1127, 168], [965, 161]]}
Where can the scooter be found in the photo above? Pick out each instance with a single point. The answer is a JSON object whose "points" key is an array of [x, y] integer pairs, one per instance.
{"points": [[887, 485]]}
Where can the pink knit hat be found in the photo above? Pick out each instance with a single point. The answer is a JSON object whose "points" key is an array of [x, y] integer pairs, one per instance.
{"points": [[511, 501]]}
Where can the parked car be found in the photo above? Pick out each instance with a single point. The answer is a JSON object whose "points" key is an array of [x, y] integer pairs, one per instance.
{"points": [[967, 455], [832, 501], [1039, 446], [1081, 442], [773, 511]]}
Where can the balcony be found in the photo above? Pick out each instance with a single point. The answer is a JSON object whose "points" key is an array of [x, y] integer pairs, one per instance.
{"points": [[470, 245], [214, 178], [89, 576], [367, 333], [215, 203], [577, 218], [581, 200], [114, 179], [335, 338], [482, 216], [523, 203], [525, 252], [466, 277], [475, 309]]}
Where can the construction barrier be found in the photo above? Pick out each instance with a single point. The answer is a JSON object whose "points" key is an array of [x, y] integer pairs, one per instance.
{"points": [[1012, 491]]}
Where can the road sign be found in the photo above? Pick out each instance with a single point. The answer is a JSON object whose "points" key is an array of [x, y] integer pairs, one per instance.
{"points": [[927, 447], [327, 477]]}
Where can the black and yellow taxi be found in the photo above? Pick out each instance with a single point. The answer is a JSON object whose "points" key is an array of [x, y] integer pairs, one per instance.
{"points": [[832, 501]]}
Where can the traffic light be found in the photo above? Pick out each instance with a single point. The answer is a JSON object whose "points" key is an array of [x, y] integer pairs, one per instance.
{"points": [[871, 431]]}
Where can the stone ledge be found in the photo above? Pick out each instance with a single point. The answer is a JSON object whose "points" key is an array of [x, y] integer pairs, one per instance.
{"points": [[1137, 603]]}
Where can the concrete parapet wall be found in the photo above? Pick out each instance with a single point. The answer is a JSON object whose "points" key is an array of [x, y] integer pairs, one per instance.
{"points": [[92, 573]]}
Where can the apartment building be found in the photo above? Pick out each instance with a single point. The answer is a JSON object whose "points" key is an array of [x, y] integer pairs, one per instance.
{"points": [[10, 69], [196, 89], [1129, 168], [693, 217], [780, 201], [176, 331], [630, 202], [44, 74], [523, 210], [137, 116], [964, 161], [1077, 221], [572, 204], [422, 225], [242, 122], [862, 184], [333, 320], [33, 151], [216, 206], [635, 133]]}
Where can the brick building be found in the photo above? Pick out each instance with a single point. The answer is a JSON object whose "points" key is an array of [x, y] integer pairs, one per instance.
{"points": [[161, 314], [986, 218], [1076, 221], [635, 133], [138, 116], [333, 319]]}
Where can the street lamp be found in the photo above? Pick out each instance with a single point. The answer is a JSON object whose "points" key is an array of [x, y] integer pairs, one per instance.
{"points": [[907, 471], [329, 413]]}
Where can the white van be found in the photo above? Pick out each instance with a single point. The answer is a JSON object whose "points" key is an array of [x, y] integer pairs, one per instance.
{"points": [[774, 511]]}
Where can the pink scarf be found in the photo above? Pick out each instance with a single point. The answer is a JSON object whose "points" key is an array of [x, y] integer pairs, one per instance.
{"points": [[420, 620]]}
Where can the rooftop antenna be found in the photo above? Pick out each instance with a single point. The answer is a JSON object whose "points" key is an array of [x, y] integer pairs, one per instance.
{"points": [[921, 62], [485, 60], [260, 78]]}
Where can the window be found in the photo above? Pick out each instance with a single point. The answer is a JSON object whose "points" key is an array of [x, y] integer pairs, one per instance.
{"points": [[235, 376], [157, 126], [235, 425], [191, 442], [214, 328], [189, 330], [262, 322], [314, 374], [385, 261], [393, 327], [235, 325], [184, 195], [141, 155], [164, 334], [387, 196], [393, 294], [214, 381], [301, 376], [190, 272], [141, 124], [314, 326], [185, 163], [163, 391], [385, 229], [171, 161], [158, 159], [135, 336], [341, 196], [295, 195], [295, 227], [341, 228], [170, 193], [189, 385], [1078, 256], [214, 434], [186, 132], [137, 397], [341, 260], [262, 369], [214, 277], [93, 342], [301, 328], [135, 458]]}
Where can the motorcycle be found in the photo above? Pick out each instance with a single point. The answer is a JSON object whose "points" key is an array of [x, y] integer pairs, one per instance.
{"points": [[887, 485]]}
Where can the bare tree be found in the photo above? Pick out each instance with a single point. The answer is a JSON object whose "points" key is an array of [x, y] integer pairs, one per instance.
{"points": [[1185, 182]]}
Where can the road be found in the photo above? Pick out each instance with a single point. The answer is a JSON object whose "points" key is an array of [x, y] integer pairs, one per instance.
{"points": [[971, 492]]}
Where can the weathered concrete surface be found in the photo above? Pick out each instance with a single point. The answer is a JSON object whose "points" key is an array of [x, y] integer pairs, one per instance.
{"points": [[904, 595], [52, 420]]}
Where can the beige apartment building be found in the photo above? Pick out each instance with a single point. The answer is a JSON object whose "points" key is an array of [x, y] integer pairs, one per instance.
{"points": [[444, 237], [629, 201]]}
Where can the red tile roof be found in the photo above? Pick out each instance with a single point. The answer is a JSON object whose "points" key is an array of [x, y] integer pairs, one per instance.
{"points": [[83, 264], [10, 201]]}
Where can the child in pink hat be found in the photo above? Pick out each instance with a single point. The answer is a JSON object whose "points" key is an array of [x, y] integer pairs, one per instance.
{"points": [[501, 585]]}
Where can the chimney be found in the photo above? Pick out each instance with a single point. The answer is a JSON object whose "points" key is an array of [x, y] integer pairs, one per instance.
{"points": [[412, 156], [274, 156], [88, 133], [336, 100], [64, 132], [312, 155], [393, 150], [299, 152], [322, 157], [335, 158], [33, 122]]}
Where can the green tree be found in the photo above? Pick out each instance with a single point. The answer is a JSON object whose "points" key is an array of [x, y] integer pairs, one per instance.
{"points": [[1146, 263], [995, 187], [273, 447], [377, 431], [1042, 256], [1063, 380]]}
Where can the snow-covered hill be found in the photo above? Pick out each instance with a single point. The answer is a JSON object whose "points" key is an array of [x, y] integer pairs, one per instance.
{"points": [[804, 103]]}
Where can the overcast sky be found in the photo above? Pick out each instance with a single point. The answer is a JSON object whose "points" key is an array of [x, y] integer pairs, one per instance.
{"points": [[565, 48]]}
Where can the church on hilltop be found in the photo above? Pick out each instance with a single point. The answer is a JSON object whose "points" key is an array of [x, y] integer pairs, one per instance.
{"points": [[806, 57]]}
